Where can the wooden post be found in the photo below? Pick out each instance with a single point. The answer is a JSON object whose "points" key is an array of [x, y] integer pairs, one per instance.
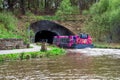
{"points": [[43, 47]]}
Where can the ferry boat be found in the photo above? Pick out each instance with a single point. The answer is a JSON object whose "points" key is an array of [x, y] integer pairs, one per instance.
{"points": [[74, 41]]}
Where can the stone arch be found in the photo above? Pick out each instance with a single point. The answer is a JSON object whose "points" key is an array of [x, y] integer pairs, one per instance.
{"points": [[46, 30]]}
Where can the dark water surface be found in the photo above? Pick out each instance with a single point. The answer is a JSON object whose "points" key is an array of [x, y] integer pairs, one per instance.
{"points": [[68, 67]]}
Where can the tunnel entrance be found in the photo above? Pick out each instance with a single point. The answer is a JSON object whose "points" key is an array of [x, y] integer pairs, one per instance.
{"points": [[46, 36], [44, 30]]}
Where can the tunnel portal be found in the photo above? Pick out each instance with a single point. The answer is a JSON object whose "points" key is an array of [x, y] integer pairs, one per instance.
{"points": [[45, 30], [45, 36]]}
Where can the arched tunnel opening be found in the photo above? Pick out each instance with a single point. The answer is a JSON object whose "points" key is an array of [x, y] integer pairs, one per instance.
{"points": [[45, 30], [45, 36]]}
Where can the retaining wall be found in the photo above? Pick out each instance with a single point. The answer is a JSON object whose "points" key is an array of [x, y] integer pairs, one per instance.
{"points": [[8, 44]]}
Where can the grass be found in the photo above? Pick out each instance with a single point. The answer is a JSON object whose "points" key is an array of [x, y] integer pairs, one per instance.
{"points": [[27, 55], [9, 20], [107, 45], [56, 51], [8, 24], [5, 33]]}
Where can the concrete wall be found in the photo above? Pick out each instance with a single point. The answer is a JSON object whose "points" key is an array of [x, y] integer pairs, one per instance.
{"points": [[7, 44], [74, 26]]}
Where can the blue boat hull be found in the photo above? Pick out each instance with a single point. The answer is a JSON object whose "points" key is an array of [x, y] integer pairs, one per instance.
{"points": [[77, 46], [80, 46]]}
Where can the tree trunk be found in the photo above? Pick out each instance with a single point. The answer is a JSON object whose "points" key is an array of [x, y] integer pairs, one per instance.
{"points": [[10, 5], [22, 6], [29, 8]]}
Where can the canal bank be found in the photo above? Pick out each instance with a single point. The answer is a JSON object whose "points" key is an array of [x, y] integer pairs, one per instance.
{"points": [[89, 51], [34, 48], [35, 52]]}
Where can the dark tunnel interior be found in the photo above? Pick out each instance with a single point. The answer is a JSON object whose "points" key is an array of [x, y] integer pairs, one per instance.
{"points": [[45, 36]]}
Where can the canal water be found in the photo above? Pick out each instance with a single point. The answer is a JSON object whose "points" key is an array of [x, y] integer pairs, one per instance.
{"points": [[69, 67]]}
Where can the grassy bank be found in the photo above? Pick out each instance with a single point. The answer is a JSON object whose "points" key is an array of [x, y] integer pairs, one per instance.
{"points": [[28, 55], [107, 45], [8, 26]]}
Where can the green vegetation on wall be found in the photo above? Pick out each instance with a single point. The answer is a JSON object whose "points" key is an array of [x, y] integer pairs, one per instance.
{"points": [[8, 24]]}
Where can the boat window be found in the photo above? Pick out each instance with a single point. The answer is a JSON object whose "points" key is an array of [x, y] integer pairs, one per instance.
{"points": [[64, 40], [84, 36]]}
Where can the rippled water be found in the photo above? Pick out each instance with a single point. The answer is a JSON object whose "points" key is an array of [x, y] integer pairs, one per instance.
{"points": [[68, 67]]}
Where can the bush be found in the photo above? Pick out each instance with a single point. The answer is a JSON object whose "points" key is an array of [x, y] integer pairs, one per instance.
{"points": [[65, 8], [104, 24], [56, 51]]}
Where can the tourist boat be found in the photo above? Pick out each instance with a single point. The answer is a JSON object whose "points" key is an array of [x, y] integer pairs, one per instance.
{"points": [[73, 41]]}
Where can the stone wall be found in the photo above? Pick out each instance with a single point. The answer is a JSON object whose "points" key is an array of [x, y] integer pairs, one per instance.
{"points": [[74, 26], [7, 44]]}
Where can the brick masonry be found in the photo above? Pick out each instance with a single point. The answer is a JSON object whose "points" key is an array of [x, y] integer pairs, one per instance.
{"points": [[8, 44]]}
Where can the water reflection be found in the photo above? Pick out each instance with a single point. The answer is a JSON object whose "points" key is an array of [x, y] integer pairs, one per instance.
{"points": [[69, 67]]}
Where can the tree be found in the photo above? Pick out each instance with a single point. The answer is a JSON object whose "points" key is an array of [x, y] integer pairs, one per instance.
{"points": [[103, 23], [65, 8], [22, 6], [85, 4]]}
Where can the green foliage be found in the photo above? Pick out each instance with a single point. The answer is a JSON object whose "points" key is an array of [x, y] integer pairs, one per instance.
{"points": [[8, 57], [34, 55], [32, 16], [27, 55], [6, 33], [104, 24], [9, 20], [100, 7], [114, 4], [21, 56], [8, 24], [65, 8], [1, 6], [56, 51]]}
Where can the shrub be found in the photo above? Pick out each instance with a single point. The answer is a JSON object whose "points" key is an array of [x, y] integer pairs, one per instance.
{"points": [[56, 51], [65, 8], [21, 56], [104, 24]]}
